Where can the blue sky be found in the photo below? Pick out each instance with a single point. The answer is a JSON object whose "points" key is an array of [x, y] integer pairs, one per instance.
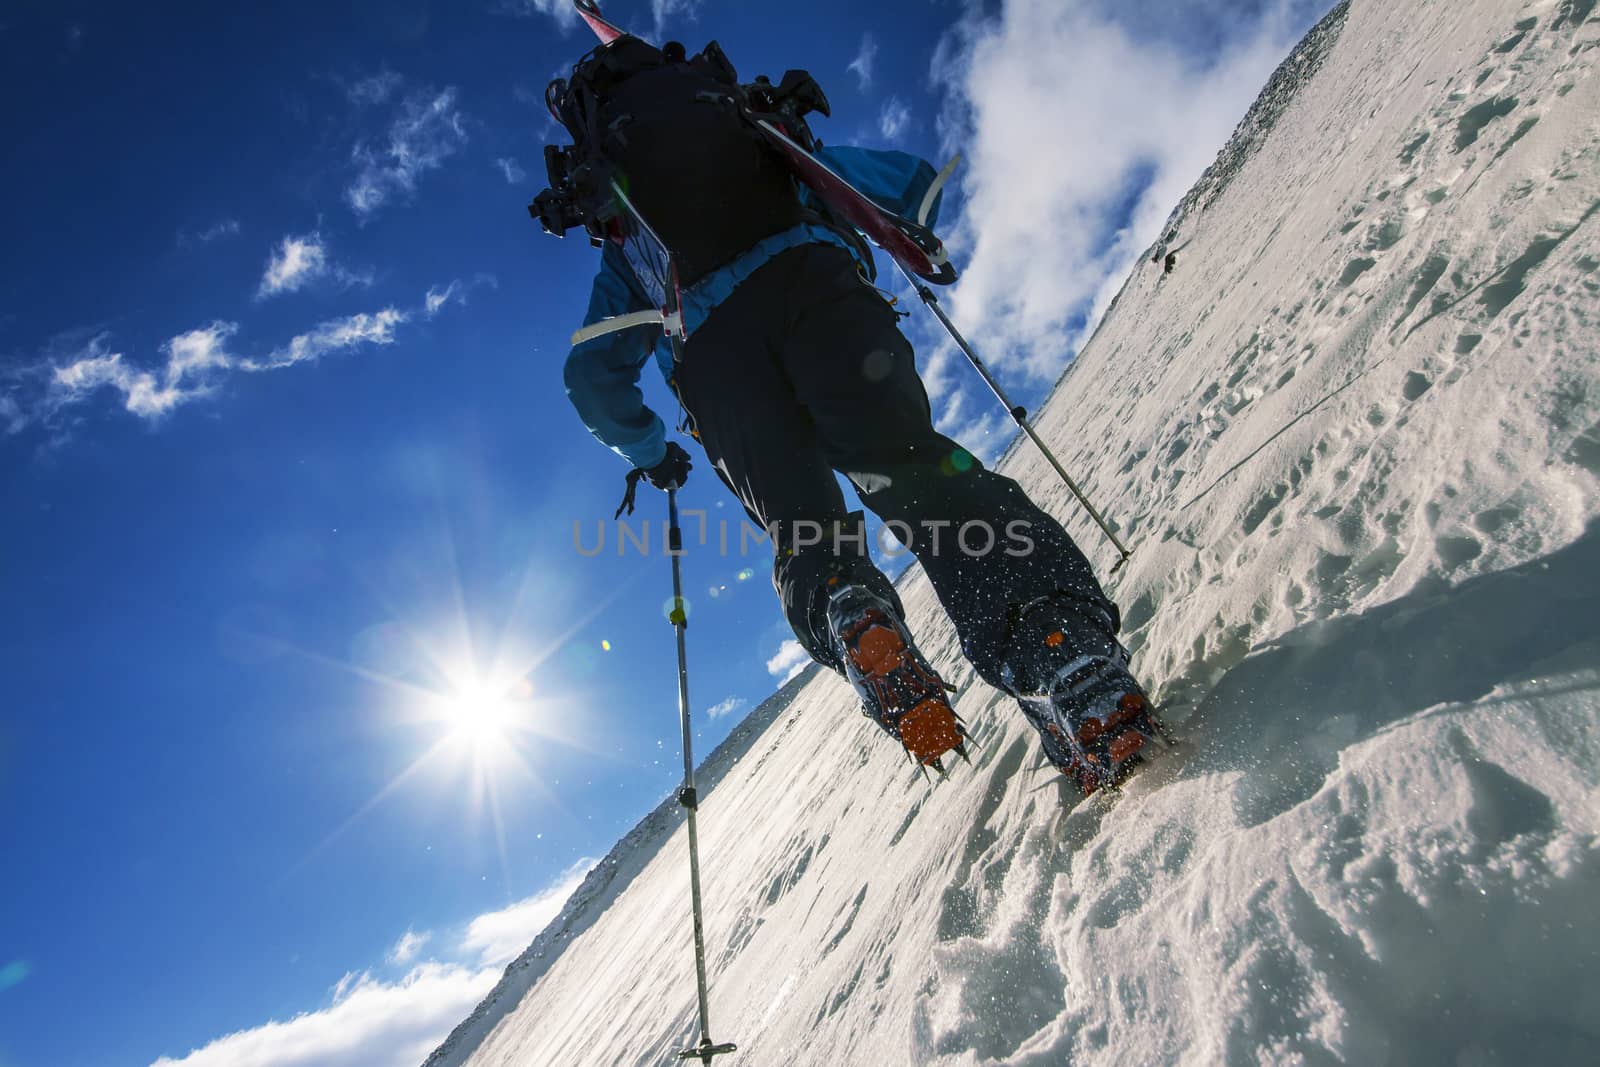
{"points": [[288, 474]]}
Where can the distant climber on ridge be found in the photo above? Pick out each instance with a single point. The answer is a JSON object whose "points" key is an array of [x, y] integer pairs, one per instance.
{"points": [[1165, 254]]}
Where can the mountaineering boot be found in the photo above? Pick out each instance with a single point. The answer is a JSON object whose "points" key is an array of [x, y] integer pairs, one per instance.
{"points": [[1070, 674], [898, 690]]}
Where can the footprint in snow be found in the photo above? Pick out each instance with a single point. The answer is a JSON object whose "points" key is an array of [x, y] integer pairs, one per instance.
{"points": [[1573, 13], [1509, 45], [1457, 550], [1472, 123], [1415, 385]]}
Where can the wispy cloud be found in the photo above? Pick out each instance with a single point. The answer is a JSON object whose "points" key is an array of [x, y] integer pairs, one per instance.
{"points": [[405, 949], [726, 707], [894, 119], [11, 414], [438, 298], [866, 56], [294, 263], [190, 356], [513, 171], [217, 231], [374, 89], [198, 351], [790, 659], [560, 10], [427, 130], [194, 363], [500, 936], [371, 1020], [353, 331], [661, 10], [298, 261], [984, 432]]}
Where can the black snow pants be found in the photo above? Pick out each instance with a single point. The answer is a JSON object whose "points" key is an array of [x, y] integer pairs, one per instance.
{"points": [[804, 371]]}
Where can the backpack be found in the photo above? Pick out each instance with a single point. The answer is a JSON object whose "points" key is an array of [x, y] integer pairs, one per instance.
{"points": [[670, 131]]}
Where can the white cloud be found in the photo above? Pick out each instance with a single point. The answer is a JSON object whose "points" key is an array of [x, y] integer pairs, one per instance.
{"points": [[894, 119], [726, 707], [861, 66], [437, 298], [512, 170], [425, 133], [500, 936], [984, 433], [790, 659], [296, 262], [194, 362], [360, 329], [190, 356], [369, 1022], [405, 949], [198, 351], [299, 261], [1067, 117]]}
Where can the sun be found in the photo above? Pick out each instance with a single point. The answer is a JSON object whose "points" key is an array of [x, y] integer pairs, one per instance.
{"points": [[484, 713], [479, 713]]}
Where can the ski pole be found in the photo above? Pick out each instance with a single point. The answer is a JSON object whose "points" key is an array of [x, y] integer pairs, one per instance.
{"points": [[686, 795], [1019, 414]]}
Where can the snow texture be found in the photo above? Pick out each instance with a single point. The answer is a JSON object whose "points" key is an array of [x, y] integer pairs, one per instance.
{"points": [[1355, 440]]}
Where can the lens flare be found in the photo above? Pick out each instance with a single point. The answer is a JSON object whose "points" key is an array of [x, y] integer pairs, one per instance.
{"points": [[480, 713]]}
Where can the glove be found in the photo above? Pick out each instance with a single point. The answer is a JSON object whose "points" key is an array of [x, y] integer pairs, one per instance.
{"points": [[672, 471]]}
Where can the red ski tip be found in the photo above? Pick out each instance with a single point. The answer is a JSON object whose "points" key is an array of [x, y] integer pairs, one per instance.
{"points": [[590, 13]]}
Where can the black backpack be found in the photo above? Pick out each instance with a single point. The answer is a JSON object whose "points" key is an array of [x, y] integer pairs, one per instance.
{"points": [[669, 130]]}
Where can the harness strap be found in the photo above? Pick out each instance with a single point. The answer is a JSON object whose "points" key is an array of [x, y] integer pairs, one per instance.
{"points": [[625, 322], [933, 191]]}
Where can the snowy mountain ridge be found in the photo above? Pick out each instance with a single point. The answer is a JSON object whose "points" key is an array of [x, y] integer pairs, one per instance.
{"points": [[1296, 71], [1355, 441]]}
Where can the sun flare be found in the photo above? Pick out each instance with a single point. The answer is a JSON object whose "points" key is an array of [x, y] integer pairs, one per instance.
{"points": [[479, 714], [484, 713]]}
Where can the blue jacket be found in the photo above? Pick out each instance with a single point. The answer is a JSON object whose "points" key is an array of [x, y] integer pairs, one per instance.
{"points": [[602, 374]]}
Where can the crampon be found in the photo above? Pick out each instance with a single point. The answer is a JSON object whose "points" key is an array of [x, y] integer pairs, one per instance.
{"points": [[1097, 725], [898, 689]]}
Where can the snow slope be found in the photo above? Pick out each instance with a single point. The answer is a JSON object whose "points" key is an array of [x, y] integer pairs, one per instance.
{"points": [[1355, 440]]}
